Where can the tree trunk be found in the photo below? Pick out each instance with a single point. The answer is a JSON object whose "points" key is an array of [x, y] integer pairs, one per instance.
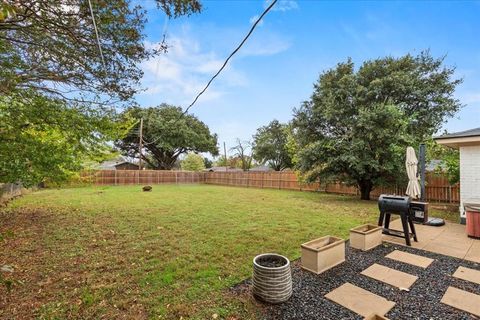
{"points": [[365, 187]]}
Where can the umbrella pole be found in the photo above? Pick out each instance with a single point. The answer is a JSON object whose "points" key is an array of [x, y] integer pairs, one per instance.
{"points": [[421, 161]]}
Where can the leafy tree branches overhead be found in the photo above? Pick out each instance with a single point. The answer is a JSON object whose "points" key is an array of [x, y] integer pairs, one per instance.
{"points": [[177, 8], [43, 139], [166, 136], [270, 145], [57, 90], [357, 124], [51, 46]]}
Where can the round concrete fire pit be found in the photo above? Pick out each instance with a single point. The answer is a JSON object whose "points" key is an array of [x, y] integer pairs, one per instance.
{"points": [[272, 278]]}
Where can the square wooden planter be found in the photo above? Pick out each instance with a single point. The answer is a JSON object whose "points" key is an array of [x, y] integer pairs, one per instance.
{"points": [[322, 254], [365, 237]]}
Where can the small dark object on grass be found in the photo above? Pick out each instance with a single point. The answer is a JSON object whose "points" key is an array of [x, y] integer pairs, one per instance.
{"points": [[147, 188]]}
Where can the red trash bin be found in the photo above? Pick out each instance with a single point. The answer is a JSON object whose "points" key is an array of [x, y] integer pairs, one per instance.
{"points": [[472, 210]]}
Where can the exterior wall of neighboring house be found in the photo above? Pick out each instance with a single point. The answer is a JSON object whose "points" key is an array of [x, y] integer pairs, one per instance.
{"points": [[126, 166], [261, 169], [469, 176], [222, 169]]}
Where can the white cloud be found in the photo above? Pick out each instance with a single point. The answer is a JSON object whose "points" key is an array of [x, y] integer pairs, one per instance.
{"points": [[254, 19], [265, 44], [177, 76], [283, 5]]}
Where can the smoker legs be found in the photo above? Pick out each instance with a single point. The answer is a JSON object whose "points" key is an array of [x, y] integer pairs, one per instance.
{"points": [[407, 221], [405, 229], [412, 227]]}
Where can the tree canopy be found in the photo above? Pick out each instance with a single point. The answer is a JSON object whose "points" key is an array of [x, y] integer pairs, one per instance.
{"points": [[51, 47], [167, 135], [44, 139], [357, 124], [193, 162], [270, 146], [58, 92]]}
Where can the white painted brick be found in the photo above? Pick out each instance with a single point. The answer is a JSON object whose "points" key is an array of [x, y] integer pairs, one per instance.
{"points": [[469, 175]]}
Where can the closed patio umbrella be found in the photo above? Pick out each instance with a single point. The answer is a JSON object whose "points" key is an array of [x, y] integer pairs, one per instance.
{"points": [[413, 188]]}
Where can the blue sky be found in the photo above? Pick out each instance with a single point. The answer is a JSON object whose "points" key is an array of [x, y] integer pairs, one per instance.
{"points": [[275, 71]]}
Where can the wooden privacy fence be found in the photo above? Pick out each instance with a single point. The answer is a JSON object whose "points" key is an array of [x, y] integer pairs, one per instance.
{"points": [[126, 177], [273, 179], [438, 188]]}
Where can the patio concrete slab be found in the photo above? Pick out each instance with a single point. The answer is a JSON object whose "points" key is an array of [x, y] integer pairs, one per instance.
{"points": [[413, 259], [467, 274], [390, 276], [447, 248], [401, 241], [474, 253], [462, 300], [359, 300], [450, 239]]}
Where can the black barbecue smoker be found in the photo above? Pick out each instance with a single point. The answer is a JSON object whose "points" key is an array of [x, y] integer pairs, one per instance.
{"points": [[399, 205]]}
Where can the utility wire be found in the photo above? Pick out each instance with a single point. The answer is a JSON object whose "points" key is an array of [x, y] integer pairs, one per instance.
{"points": [[224, 64], [230, 56], [96, 33]]}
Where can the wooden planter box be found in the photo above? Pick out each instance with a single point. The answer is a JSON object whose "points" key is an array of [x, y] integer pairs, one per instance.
{"points": [[322, 254], [365, 237]]}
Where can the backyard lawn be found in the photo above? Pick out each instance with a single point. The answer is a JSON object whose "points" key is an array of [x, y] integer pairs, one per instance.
{"points": [[114, 252]]}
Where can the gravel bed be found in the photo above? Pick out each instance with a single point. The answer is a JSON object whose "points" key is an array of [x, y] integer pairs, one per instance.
{"points": [[421, 302]]}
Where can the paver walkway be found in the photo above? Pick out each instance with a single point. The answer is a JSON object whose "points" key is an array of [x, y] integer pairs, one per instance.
{"points": [[410, 258], [390, 276], [312, 297], [450, 239], [365, 303], [359, 300], [462, 300], [467, 274]]}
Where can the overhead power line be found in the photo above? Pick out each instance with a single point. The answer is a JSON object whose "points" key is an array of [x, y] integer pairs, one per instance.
{"points": [[223, 66], [96, 33], [230, 56]]}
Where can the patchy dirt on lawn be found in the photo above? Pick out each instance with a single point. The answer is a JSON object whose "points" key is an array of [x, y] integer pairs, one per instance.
{"points": [[50, 280]]}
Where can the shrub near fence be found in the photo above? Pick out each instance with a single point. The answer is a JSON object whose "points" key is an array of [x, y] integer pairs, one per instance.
{"points": [[437, 187]]}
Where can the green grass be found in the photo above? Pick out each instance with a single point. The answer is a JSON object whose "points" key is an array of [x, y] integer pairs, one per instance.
{"points": [[170, 253]]}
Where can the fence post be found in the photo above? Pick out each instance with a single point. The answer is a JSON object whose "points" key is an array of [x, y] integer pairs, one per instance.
{"points": [[115, 177], [449, 194], [176, 178]]}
